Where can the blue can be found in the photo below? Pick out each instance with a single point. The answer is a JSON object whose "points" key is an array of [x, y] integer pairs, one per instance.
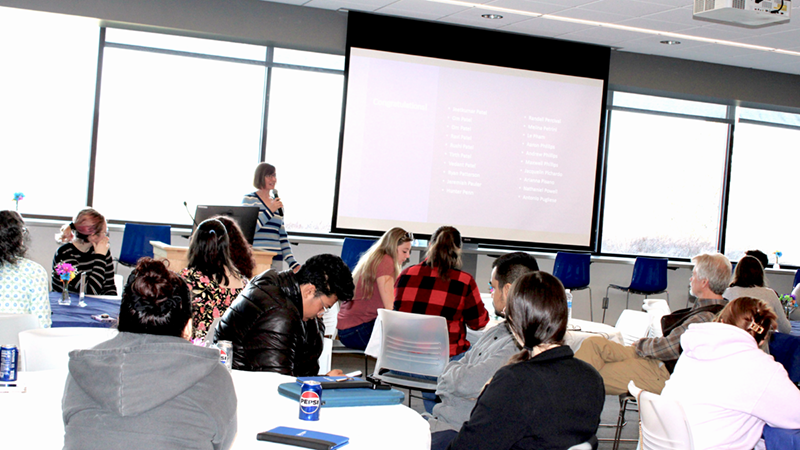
{"points": [[310, 400], [9, 355]]}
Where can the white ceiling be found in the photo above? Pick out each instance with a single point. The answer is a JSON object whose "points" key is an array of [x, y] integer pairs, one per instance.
{"points": [[661, 15]]}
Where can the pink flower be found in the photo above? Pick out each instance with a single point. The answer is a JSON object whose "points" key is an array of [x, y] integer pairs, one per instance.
{"points": [[204, 279], [215, 313]]}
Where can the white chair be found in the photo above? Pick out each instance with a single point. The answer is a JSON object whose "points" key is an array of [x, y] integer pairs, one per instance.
{"points": [[12, 324], [325, 357], [415, 344], [119, 283], [330, 319], [633, 325], [48, 348], [10, 327], [664, 424]]}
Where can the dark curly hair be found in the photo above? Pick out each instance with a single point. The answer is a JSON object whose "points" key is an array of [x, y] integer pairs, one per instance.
{"points": [[13, 239], [329, 275], [155, 301]]}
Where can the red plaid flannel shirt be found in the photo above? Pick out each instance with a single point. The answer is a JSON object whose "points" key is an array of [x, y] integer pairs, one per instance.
{"points": [[420, 290]]}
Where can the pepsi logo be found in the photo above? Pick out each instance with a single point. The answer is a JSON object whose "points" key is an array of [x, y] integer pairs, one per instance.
{"points": [[309, 402]]}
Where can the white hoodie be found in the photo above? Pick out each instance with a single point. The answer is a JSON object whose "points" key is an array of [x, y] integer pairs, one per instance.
{"points": [[729, 388]]}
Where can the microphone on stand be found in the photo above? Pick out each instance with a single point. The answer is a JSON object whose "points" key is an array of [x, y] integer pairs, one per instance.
{"points": [[274, 193], [190, 214]]}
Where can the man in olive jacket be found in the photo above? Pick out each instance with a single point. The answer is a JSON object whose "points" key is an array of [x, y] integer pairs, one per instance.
{"points": [[274, 324]]}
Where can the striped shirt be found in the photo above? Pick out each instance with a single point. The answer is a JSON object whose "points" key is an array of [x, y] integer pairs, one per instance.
{"points": [[270, 232], [23, 290], [99, 270]]}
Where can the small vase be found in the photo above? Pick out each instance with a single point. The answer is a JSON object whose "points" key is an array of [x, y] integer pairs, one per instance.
{"points": [[65, 300]]}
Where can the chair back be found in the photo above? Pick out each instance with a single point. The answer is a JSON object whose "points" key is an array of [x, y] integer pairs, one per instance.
{"points": [[796, 279], [785, 348], [664, 424], [353, 248], [330, 319], [649, 275], [136, 241], [48, 348], [12, 324], [572, 269], [413, 343], [633, 325]]}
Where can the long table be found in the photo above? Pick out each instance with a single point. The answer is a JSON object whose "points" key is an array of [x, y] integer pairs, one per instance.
{"points": [[33, 419], [76, 316]]}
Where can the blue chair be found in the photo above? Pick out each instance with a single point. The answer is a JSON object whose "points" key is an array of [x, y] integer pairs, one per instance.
{"points": [[785, 348], [136, 241], [649, 278], [572, 269], [353, 248], [796, 279]]}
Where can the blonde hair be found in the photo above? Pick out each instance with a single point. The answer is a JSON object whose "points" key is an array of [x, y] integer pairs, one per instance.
{"points": [[366, 270], [87, 222]]}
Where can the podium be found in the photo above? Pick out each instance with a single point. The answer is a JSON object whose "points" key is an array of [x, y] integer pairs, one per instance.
{"points": [[178, 260]]}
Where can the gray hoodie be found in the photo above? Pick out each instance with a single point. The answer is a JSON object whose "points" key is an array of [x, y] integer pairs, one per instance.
{"points": [[143, 391]]}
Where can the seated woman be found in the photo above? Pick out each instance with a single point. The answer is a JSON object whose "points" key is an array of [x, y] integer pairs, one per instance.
{"points": [[748, 281], [727, 386], [437, 287], [86, 247], [210, 274], [375, 274], [23, 283], [149, 387], [241, 253], [543, 397]]}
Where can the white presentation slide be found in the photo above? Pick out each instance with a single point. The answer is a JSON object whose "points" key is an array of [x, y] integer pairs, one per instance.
{"points": [[499, 153]]}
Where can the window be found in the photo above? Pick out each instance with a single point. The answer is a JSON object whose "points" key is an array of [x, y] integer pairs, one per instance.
{"points": [[175, 129], [47, 91], [664, 184], [303, 144], [761, 212]]}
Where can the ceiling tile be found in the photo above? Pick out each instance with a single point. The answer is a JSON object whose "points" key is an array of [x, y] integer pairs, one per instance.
{"points": [[585, 14], [544, 27], [355, 5], [603, 35], [472, 17], [629, 8], [421, 8], [525, 5]]}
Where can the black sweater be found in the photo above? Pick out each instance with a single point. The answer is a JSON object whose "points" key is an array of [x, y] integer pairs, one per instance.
{"points": [[552, 401]]}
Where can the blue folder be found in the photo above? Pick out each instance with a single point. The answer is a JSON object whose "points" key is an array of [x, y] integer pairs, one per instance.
{"points": [[334, 398], [303, 438]]}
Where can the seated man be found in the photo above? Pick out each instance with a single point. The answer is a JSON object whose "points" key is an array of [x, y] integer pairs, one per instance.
{"points": [[649, 361], [274, 324], [462, 380]]}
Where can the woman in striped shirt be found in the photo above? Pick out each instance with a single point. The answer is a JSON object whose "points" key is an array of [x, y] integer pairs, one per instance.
{"points": [[86, 246], [270, 232]]}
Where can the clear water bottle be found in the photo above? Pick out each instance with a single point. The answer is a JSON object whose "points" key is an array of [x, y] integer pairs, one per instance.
{"points": [[569, 304]]}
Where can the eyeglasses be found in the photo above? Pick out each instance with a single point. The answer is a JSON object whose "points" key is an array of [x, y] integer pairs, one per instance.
{"points": [[491, 288], [325, 308]]}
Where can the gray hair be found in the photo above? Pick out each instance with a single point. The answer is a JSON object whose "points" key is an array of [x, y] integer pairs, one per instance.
{"points": [[716, 268]]}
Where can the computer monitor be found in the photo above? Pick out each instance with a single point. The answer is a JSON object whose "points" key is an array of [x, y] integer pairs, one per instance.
{"points": [[245, 216]]}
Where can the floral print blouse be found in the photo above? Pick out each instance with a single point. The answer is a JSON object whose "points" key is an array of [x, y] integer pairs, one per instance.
{"points": [[209, 299]]}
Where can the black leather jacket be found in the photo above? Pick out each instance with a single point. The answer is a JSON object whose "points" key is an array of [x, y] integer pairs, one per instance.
{"points": [[265, 324]]}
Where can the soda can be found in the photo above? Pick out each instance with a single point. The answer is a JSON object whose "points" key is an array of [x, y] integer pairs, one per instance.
{"points": [[9, 356], [226, 354], [310, 400]]}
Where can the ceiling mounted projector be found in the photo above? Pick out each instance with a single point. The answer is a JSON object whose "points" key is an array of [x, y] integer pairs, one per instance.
{"points": [[743, 13]]}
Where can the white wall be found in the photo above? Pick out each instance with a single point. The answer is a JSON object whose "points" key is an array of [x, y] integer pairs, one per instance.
{"points": [[605, 272]]}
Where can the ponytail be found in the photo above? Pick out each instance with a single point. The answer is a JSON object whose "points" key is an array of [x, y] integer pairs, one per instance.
{"points": [[444, 252]]}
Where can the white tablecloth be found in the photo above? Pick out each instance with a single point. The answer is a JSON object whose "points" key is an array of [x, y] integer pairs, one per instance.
{"points": [[33, 419]]}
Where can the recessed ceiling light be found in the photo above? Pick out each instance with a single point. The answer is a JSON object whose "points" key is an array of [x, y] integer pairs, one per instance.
{"points": [[491, 16], [671, 42]]}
